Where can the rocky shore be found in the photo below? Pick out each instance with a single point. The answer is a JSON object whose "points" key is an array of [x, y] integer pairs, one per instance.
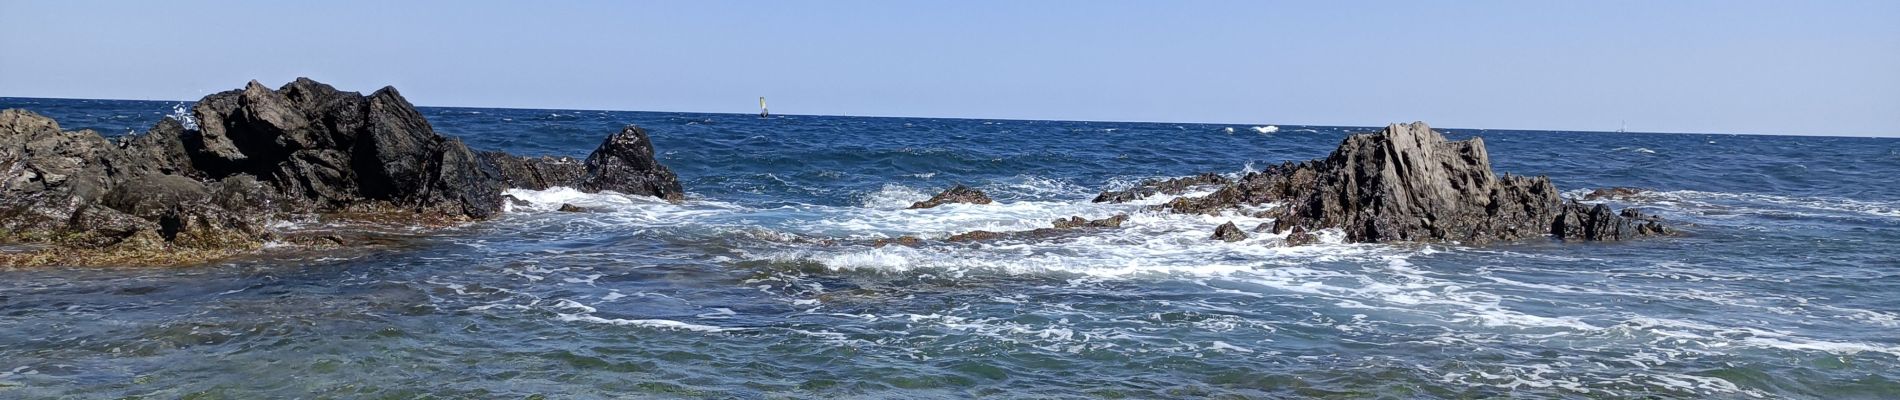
{"points": [[254, 157], [252, 163], [1406, 183]]}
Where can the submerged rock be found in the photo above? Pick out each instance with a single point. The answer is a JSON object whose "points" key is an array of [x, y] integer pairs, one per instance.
{"points": [[258, 155], [955, 194], [1058, 228], [906, 240], [1613, 193], [1403, 184]]}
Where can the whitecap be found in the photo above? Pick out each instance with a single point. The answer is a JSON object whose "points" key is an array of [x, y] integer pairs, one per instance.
{"points": [[649, 323]]}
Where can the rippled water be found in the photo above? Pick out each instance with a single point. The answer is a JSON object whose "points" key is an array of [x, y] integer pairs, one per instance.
{"points": [[759, 286]]}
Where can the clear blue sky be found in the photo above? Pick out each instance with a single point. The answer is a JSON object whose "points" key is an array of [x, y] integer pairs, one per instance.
{"points": [[1784, 67]]}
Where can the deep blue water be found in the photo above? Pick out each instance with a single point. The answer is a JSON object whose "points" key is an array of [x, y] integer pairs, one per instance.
{"points": [[758, 286]]}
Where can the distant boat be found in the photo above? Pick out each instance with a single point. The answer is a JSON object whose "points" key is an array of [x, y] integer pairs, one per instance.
{"points": [[1619, 129], [763, 113]]}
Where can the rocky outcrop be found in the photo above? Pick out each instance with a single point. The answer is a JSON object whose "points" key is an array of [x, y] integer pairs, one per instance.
{"points": [[955, 194], [259, 155], [1406, 183]]}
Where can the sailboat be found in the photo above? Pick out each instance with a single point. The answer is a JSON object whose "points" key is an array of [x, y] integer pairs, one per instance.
{"points": [[763, 113], [1619, 129]]}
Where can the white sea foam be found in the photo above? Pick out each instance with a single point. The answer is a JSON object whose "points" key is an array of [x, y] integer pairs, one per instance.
{"points": [[184, 116], [649, 323], [893, 197], [1376, 285], [1266, 129]]}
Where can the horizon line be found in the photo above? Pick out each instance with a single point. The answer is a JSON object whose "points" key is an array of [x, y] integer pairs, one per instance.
{"points": [[1055, 120]]}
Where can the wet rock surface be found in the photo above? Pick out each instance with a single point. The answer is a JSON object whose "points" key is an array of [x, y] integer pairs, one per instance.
{"points": [[259, 155], [955, 194], [1406, 183]]}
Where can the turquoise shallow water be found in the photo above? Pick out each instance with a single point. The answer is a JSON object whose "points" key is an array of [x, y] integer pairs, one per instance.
{"points": [[756, 287]]}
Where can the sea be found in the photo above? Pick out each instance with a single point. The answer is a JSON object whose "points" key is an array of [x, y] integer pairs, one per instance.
{"points": [[763, 284]]}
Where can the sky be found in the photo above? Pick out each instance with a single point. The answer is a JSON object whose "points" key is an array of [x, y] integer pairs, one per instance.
{"points": [[1773, 67]]}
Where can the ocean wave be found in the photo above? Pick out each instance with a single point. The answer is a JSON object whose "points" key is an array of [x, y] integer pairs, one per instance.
{"points": [[1722, 203], [892, 197], [1266, 129]]}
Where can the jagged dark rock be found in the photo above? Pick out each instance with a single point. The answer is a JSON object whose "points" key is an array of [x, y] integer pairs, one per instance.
{"points": [[1228, 233], [565, 207], [259, 154], [1403, 184], [955, 194], [624, 163]]}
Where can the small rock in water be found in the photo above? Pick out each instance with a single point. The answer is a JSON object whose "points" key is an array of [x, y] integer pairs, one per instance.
{"points": [[1299, 237], [955, 194], [566, 207], [1078, 222], [1229, 233], [973, 236], [1613, 193]]}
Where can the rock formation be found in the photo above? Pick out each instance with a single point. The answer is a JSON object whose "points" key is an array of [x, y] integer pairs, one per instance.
{"points": [[258, 155], [955, 194], [1404, 184]]}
